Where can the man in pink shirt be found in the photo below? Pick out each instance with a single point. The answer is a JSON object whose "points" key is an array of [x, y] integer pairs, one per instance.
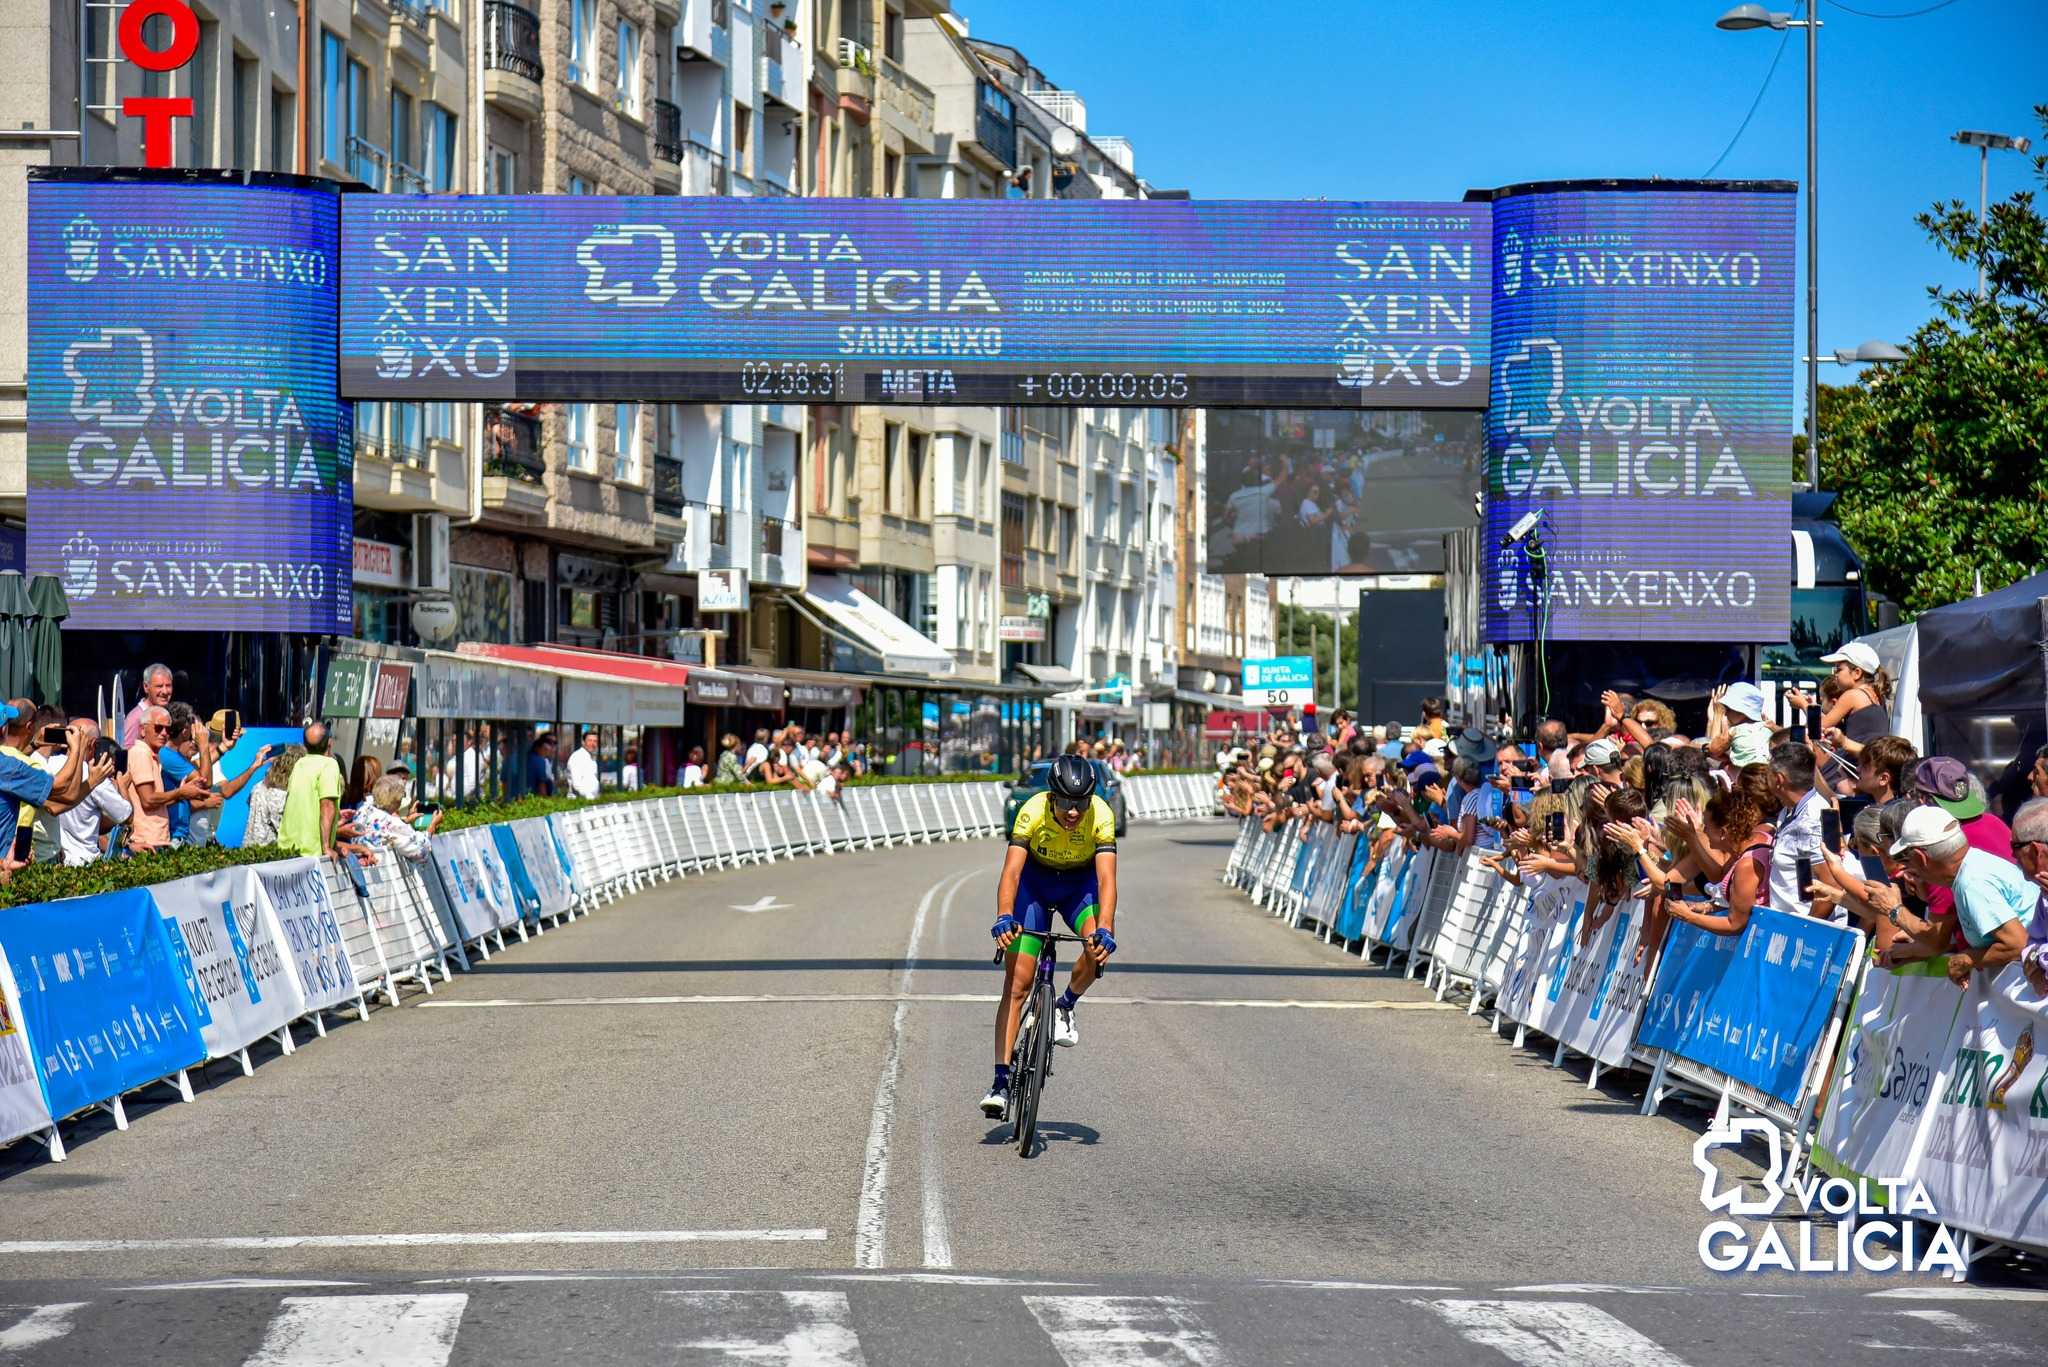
{"points": [[156, 692], [1947, 783]]}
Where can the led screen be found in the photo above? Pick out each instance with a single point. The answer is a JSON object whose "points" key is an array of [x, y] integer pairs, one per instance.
{"points": [[915, 301], [1293, 491], [188, 457], [1642, 404]]}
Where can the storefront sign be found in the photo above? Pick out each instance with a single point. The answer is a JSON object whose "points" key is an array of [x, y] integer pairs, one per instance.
{"points": [[1020, 629], [581, 572], [722, 591], [763, 695], [348, 686], [389, 691], [603, 702], [820, 695], [461, 688], [712, 690], [378, 564]]}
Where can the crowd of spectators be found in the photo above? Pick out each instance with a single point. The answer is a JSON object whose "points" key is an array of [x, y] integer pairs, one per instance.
{"points": [[1831, 816]]}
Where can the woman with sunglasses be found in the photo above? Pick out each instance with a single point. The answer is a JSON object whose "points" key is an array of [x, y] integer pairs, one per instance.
{"points": [[1062, 858]]}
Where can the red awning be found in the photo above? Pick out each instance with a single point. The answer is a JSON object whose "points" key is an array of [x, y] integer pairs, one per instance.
{"points": [[615, 664], [1222, 725]]}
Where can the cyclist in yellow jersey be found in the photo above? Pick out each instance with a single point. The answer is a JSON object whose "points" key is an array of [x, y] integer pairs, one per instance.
{"points": [[1062, 859]]}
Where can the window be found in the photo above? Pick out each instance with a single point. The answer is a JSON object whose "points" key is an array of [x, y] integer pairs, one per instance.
{"points": [[578, 419], [242, 110], [914, 501], [961, 455], [629, 69], [99, 53], [892, 174], [370, 426], [284, 151], [1014, 517], [204, 70], [579, 186], [334, 123], [439, 149], [156, 36], [1048, 527], [1066, 546], [504, 172], [441, 422], [988, 607], [401, 129], [626, 443], [583, 43], [981, 480], [406, 422], [892, 35], [742, 132], [891, 435]]}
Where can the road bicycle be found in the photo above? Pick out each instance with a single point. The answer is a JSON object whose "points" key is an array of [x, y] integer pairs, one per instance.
{"points": [[1031, 1060]]}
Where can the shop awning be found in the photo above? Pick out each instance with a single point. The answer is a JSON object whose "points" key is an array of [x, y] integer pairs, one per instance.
{"points": [[822, 690], [602, 687], [845, 612], [1052, 676], [465, 687], [1226, 701]]}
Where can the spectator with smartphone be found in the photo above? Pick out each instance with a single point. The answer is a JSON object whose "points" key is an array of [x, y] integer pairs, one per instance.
{"points": [[214, 740], [152, 793], [84, 830], [266, 804], [1796, 846], [57, 770]]}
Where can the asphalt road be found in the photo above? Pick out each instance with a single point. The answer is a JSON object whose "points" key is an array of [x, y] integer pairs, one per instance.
{"points": [[740, 1110]]}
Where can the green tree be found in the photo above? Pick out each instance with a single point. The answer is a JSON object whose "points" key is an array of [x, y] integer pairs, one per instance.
{"points": [[1293, 629], [1941, 460]]}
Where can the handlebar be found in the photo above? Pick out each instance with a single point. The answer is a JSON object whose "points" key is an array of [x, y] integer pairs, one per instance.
{"points": [[1051, 937]]}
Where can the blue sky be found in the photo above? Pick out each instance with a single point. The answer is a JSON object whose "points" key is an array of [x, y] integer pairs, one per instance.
{"points": [[1351, 100]]}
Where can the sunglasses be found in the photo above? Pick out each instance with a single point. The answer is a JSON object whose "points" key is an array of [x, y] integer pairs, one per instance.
{"points": [[1066, 806]]}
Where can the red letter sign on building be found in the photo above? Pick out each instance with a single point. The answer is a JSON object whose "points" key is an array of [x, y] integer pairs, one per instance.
{"points": [[157, 111]]}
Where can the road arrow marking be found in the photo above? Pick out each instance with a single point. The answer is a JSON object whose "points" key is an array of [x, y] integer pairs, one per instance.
{"points": [[765, 904]]}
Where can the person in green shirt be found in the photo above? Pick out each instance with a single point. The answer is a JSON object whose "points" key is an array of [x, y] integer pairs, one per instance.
{"points": [[312, 800]]}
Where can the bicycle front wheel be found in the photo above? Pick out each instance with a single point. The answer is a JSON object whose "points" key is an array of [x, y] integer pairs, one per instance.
{"points": [[1037, 1047]]}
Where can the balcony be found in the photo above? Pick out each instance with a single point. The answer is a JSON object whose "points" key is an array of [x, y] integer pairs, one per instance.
{"points": [[995, 125], [409, 36], [907, 104], [1064, 105], [771, 185], [783, 71], [856, 78], [707, 541], [405, 180], [512, 66], [666, 136], [703, 169], [780, 563], [513, 464], [667, 489], [367, 162], [706, 30]]}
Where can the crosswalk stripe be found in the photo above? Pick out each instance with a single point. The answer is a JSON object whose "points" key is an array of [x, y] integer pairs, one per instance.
{"points": [[797, 1328], [1125, 1331], [349, 1331], [44, 1324], [1552, 1333]]}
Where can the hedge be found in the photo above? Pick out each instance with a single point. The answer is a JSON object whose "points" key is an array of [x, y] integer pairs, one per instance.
{"points": [[486, 813], [51, 882]]}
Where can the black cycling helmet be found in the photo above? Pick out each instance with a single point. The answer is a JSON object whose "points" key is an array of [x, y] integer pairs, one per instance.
{"points": [[1072, 779]]}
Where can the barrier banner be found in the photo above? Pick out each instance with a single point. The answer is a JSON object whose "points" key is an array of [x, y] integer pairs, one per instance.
{"points": [[1752, 1007], [228, 944], [1552, 910], [1384, 902], [477, 890], [558, 831], [1586, 984], [1481, 928], [102, 995], [312, 936], [544, 865], [514, 864], [1409, 895], [22, 1110], [1358, 886], [1950, 1087]]}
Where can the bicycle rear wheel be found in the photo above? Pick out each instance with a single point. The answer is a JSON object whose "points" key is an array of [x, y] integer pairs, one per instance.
{"points": [[1035, 1047]]}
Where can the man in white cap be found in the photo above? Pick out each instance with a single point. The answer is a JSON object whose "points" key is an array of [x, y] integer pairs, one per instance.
{"points": [[1994, 897], [1603, 760]]}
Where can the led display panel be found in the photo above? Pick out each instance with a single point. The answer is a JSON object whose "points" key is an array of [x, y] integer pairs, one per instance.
{"points": [[1292, 491], [1642, 405], [188, 454], [915, 301]]}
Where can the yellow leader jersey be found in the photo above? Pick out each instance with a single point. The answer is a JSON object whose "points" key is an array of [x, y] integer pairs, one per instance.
{"points": [[1052, 844]]}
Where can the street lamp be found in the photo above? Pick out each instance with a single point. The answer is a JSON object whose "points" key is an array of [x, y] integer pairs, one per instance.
{"points": [[1741, 19], [1986, 143], [1865, 353]]}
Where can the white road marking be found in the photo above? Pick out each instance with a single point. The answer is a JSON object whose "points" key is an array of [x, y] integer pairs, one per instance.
{"points": [[242, 1284], [871, 1220], [1125, 1331], [1593, 1289], [819, 1330], [769, 903], [44, 1324], [901, 998], [938, 1241], [1959, 1293], [334, 1331], [1552, 1334], [1299, 1285], [940, 1279], [557, 1236], [1957, 1335]]}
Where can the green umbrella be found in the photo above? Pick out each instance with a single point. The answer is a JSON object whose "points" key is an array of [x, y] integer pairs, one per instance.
{"points": [[15, 610], [46, 638]]}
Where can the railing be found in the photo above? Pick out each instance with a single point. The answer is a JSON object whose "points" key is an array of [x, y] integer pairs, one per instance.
{"points": [[767, 184], [903, 91], [771, 535], [668, 132], [398, 453], [1064, 105], [703, 169], [405, 180], [511, 39], [512, 446], [668, 486], [367, 162], [714, 519], [413, 12]]}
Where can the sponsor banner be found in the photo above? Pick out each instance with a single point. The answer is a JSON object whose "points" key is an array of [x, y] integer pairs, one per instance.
{"points": [[188, 452], [102, 996], [1583, 982], [1358, 886], [525, 896], [479, 893], [1752, 1007], [545, 866], [22, 1110], [1947, 1086], [558, 832], [227, 943], [312, 936]]}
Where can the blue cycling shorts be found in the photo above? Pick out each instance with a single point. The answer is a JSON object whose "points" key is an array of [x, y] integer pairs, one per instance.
{"points": [[1042, 892]]}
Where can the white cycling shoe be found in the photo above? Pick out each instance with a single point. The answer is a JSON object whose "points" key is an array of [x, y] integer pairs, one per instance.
{"points": [[1064, 1032], [995, 1103]]}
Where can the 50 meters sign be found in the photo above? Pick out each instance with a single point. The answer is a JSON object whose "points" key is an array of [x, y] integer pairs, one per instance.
{"points": [[1164, 303], [1283, 681]]}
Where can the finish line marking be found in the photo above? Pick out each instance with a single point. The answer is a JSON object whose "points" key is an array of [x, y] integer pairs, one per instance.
{"points": [[560, 1236], [898, 998]]}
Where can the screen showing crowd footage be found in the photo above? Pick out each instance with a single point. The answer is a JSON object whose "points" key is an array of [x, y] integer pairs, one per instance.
{"points": [[1327, 492]]}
